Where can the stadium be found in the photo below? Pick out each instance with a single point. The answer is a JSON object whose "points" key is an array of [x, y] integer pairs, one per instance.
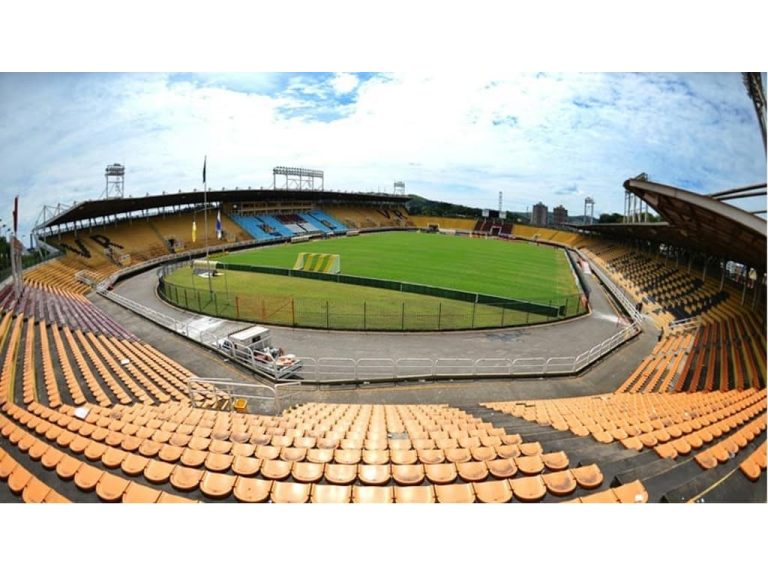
{"points": [[406, 358]]}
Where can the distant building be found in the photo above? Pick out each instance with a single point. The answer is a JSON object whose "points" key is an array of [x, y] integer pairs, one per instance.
{"points": [[539, 216], [559, 216]]}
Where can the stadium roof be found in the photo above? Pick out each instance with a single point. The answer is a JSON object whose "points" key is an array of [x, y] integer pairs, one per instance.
{"points": [[695, 222], [107, 207]]}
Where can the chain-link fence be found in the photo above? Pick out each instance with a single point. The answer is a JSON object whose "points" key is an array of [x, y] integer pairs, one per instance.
{"points": [[389, 315]]}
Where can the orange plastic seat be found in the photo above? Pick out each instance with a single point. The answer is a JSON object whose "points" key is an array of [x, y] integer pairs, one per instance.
{"points": [[431, 456], [65, 438], [246, 450], [457, 455], [340, 473], [681, 446], [131, 443], [666, 450], [374, 474], [555, 460], [589, 477], [444, 473], [290, 492], [632, 443], [508, 451], [293, 454], [454, 493], [472, 471], [252, 489], [54, 497], [307, 471], [331, 494], [529, 489], [170, 453], [604, 497], [158, 472], [530, 464], [403, 457], [320, 455], [408, 474], [79, 444], [483, 453], [376, 456], [95, 450], [149, 448], [37, 449], [245, 465], [218, 462], [510, 439], [168, 498], [36, 491], [110, 488], [18, 479], [134, 465], [87, 477], [215, 485], [445, 443], [493, 491], [502, 467], [372, 494], [531, 449], [632, 493], [414, 495], [267, 452], [560, 483], [185, 479], [751, 469], [66, 468], [193, 458], [276, 469], [694, 440], [706, 459], [469, 443], [220, 446], [139, 494], [51, 458]]}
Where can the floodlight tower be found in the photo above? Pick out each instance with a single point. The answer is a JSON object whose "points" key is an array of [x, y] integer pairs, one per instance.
{"points": [[400, 187], [588, 201], [115, 176], [501, 199]]}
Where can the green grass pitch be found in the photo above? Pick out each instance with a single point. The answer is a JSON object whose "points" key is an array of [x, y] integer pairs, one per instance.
{"points": [[515, 270]]}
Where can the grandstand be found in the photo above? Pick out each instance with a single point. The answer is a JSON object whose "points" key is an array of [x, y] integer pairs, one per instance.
{"points": [[91, 411]]}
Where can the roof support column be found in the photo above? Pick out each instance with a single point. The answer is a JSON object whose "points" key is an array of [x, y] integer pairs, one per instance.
{"points": [[758, 288], [744, 281], [722, 276], [704, 272]]}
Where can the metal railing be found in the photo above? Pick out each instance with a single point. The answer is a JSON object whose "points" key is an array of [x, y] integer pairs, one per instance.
{"points": [[221, 393]]}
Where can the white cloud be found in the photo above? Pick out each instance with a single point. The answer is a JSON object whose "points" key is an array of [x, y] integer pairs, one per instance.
{"points": [[343, 83], [460, 138]]}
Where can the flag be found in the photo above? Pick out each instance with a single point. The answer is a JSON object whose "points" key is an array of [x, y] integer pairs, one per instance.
{"points": [[205, 160], [218, 224], [194, 231], [16, 215]]}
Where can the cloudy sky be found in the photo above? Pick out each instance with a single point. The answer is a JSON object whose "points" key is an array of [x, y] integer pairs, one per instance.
{"points": [[461, 138]]}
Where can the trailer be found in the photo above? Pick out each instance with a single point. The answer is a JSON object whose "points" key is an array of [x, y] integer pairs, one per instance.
{"points": [[252, 346]]}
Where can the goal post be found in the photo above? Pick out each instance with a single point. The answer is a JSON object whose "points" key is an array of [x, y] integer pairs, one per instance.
{"points": [[317, 262]]}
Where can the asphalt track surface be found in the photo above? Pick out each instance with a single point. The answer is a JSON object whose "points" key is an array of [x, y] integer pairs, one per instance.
{"points": [[568, 338]]}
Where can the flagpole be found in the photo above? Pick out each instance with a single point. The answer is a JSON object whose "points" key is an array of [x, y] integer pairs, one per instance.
{"points": [[205, 208]]}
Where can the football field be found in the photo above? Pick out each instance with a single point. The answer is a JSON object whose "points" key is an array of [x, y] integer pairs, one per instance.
{"points": [[516, 270]]}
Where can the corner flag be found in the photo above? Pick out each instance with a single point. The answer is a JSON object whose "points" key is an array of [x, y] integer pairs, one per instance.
{"points": [[218, 224]]}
